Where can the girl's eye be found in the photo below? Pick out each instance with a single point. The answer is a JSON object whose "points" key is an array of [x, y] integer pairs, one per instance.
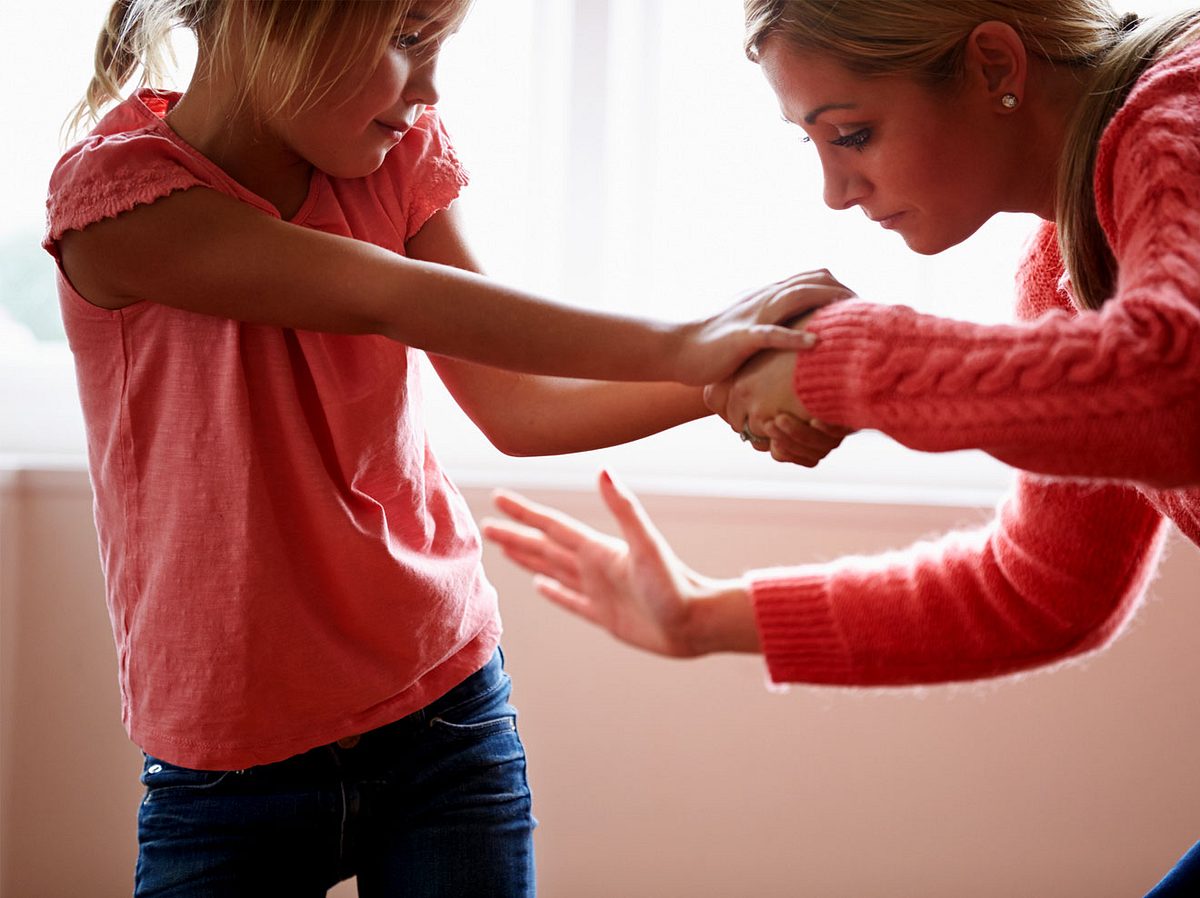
{"points": [[407, 41], [856, 141]]}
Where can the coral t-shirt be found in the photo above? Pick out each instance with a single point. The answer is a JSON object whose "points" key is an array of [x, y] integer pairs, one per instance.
{"points": [[286, 562]]}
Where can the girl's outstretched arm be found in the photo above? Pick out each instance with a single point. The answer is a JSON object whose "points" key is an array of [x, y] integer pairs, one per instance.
{"points": [[199, 250], [523, 414]]}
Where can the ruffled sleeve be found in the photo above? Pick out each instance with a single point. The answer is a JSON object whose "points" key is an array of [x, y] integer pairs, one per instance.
{"points": [[433, 176], [132, 158]]}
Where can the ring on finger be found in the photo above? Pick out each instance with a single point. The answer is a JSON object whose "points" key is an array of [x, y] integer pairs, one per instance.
{"points": [[749, 436]]}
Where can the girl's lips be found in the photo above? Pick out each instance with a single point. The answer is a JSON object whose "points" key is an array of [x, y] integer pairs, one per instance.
{"points": [[396, 131]]}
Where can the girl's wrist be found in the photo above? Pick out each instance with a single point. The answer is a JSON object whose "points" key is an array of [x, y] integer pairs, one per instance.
{"points": [[677, 340]]}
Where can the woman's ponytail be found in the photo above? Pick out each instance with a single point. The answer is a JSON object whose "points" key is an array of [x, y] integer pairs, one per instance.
{"points": [[1136, 45]]}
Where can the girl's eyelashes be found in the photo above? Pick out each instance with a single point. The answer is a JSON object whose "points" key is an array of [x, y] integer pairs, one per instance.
{"points": [[407, 41], [856, 140]]}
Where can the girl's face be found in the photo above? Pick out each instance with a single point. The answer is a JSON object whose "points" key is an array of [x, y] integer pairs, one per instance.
{"points": [[922, 163], [369, 108]]}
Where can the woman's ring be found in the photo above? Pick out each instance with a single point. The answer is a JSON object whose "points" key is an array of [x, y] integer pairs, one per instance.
{"points": [[749, 436]]}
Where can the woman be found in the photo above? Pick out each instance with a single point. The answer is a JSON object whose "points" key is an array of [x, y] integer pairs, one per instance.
{"points": [[931, 118]]}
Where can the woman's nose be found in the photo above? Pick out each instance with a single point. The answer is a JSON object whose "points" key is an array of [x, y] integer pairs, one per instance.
{"points": [[844, 188]]}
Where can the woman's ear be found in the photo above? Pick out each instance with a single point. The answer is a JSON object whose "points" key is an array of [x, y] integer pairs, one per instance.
{"points": [[996, 63]]}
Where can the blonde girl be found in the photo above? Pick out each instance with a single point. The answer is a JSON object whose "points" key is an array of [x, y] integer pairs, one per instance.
{"points": [[931, 117], [307, 645]]}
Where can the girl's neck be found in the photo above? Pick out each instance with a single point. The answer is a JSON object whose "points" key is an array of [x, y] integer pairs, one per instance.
{"points": [[209, 119]]}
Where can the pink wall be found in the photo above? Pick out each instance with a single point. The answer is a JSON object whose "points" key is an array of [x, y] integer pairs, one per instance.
{"points": [[658, 778]]}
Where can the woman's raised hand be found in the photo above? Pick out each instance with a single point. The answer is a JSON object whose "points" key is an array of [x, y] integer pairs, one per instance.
{"points": [[636, 588], [715, 347]]}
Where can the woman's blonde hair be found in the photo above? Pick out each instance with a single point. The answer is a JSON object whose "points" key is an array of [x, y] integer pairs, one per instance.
{"points": [[278, 41], [926, 39]]}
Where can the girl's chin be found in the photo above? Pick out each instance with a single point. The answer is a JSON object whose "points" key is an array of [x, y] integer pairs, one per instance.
{"points": [[347, 169]]}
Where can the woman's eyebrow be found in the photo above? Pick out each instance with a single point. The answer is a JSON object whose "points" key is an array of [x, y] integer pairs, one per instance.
{"points": [[820, 110]]}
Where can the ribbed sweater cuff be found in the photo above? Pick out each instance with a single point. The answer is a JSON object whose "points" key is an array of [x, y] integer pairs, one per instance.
{"points": [[795, 623], [826, 377]]}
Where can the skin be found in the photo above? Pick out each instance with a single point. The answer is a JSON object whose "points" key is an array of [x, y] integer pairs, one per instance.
{"points": [[899, 151], [203, 251], [637, 588], [905, 173]]}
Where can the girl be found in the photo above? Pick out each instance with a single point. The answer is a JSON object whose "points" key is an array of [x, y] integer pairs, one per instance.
{"points": [[932, 117], [307, 645]]}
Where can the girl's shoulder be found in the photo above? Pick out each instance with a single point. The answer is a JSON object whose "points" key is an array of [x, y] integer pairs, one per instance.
{"points": [[131, 157]]}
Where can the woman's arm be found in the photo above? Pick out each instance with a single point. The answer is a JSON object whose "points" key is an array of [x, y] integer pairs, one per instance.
{"points": [[1112, 394], [524, 414], [1056, 574], [205, 252], [636, 588]]}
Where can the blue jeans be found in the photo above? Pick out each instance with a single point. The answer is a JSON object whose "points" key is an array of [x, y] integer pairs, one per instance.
{"points": [[1184, 879], [435, 804]]}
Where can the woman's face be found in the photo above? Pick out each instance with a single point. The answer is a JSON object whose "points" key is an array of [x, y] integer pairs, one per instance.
{"points": [[922, 162]]}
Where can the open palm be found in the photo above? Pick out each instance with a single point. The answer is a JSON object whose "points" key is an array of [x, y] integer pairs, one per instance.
{"points": [[636, 588]]}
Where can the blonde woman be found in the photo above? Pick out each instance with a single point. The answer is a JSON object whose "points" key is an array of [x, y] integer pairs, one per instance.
{"points": [[931, 117]]}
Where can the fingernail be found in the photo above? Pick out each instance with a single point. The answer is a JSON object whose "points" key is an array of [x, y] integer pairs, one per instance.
{"points": [[809, 340]]}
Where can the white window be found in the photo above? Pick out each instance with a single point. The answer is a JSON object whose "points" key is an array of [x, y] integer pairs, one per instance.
{"points": [[624, 155]]}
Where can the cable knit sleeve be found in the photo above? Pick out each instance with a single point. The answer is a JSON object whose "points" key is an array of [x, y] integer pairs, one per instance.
{"points": [[1109, 394], [1056, 574]]}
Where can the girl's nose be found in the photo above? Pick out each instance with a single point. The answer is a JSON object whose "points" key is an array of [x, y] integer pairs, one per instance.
{"points": [[421, 89]]}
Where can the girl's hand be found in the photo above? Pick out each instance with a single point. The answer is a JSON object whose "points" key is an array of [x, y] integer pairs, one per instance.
{"points": [[637, 589], [716, 347], [760, 403], [795, 441]]}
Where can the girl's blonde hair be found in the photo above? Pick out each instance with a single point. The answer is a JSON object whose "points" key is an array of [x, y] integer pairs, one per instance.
{"points": [[278, 44], [926, 39]]}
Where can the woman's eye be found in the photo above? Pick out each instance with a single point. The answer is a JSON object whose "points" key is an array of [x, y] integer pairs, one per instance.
{"points": [[857, 140], [407, 41]]}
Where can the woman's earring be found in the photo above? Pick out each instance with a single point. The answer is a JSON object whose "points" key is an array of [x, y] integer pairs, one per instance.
{"points": [[1009, 101]]}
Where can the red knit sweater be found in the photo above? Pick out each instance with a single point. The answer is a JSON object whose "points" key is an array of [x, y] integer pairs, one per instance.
{"points": [[1109, 399]]}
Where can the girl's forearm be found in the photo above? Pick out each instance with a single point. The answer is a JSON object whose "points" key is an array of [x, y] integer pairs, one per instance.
{"points": [[575, 416], [460, 314], [526, 415]]}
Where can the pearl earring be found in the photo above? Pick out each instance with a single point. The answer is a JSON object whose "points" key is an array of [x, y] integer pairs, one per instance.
{"points": [[1009, 101]]}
